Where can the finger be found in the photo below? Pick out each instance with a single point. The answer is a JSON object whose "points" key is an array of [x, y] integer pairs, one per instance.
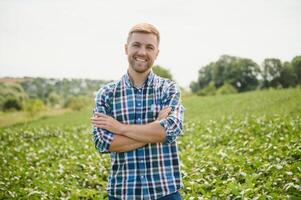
{"points": [[100, 118], [166, 109], [164, 116], [99, 122], [97, 118], [100, 114], [99, 125], [164, 112]]}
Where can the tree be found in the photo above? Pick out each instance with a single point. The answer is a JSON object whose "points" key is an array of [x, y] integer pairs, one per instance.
{"points": [[12, 96], [241, 73], [218, 72], [33, 106], [54, 99], [78, 103], [204, 78], [161, 71], [288, 77], [296, 65], [226, 89], [208, 90], [194, 86], [271, 72]]}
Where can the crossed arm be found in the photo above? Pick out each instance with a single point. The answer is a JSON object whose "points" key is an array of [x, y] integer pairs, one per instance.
{"points": [[129, 137]]}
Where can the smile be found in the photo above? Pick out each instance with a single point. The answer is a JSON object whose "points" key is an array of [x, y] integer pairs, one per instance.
{"points": [[140, 59]]}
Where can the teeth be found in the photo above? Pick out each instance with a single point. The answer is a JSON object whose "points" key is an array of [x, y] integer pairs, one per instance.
{"points": [[140, 59]]}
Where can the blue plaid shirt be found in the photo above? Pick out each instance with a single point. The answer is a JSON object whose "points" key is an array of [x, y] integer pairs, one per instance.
{"points": [[151, 171]]}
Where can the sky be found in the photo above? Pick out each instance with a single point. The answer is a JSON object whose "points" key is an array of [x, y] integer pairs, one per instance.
{"points": [[85, 38]]}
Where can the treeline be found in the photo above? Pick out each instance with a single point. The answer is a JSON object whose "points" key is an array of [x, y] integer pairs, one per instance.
{"points": [[33, 94], [231, 74]]}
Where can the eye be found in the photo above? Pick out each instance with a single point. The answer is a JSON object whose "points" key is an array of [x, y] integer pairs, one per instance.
{"points": [[135, 45], [150, 47]]}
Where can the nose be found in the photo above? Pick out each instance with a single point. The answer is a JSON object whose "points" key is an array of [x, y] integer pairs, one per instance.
{"points": [[142, 50]]}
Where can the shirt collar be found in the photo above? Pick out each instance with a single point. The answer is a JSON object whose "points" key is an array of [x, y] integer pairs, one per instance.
{"points": [[148, 81]]}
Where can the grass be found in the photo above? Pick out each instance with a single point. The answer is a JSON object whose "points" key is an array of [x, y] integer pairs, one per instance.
{"points": [[21, 117], [68, 119], [242, 146], [263, 102]]}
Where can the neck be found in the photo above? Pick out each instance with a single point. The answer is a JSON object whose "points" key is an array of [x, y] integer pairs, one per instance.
{"points": [[137, 78]]}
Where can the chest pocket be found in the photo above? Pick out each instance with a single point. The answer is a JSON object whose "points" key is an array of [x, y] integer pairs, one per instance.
{"points": [[153, 107]]}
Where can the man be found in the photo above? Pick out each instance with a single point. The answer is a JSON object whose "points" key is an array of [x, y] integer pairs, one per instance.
{"points": [[137, 119]]}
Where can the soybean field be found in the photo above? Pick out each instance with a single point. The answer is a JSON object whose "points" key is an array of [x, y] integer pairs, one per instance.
{"points": [[239, 146]]}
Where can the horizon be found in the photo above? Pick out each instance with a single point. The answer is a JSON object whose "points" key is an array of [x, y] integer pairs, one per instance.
{"points": [[109, 80]]}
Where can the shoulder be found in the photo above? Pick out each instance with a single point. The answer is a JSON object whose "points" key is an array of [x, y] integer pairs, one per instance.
{"points": [[166, 85], [107, 90]]}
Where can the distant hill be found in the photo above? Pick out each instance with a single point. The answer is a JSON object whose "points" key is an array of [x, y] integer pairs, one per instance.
{"points": [[15, 90], [14, 79]]}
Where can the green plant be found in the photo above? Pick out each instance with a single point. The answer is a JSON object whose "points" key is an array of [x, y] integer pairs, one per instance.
{"points": [[77, 103], [226, 89], [237, 146], [33, 106]]}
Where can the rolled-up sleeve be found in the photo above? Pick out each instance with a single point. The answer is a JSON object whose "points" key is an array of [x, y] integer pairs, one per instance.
{"points": [[102, 138], [173, 124]]}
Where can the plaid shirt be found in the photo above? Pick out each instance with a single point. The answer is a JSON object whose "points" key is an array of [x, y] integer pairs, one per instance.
{"points": [[151, 171]]}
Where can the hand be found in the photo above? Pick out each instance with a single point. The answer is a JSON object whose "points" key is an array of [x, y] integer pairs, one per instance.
{"points": [[101, 120], [163, 113]]}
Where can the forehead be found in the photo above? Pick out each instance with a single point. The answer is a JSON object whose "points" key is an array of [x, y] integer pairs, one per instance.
{"points": [[143, 38]]}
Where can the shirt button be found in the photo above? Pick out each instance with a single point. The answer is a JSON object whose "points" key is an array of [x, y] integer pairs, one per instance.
{"points": [[138, 119], [138, 104], [139, 90], [142, 177], [141, 161]]}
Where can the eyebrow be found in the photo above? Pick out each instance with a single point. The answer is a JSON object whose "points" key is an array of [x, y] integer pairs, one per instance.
{"points": [[149, 44]]}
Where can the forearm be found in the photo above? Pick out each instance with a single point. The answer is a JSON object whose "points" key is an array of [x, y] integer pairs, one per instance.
{"points": [[148, 133], [123, 144]]}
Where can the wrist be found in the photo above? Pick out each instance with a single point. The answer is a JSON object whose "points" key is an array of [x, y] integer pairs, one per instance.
{"points": [[123, 129]]}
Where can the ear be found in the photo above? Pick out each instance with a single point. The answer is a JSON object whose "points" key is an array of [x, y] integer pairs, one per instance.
{"points": [[126, 49]]}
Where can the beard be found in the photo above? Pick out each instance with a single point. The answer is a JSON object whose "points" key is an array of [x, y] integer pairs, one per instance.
{"points": [[138, 66]]}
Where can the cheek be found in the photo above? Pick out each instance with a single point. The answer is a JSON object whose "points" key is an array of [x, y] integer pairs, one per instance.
{"points": [[152, 57]]}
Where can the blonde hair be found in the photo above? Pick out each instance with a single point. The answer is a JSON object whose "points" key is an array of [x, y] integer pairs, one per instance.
{"points": [[144, 28]]}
